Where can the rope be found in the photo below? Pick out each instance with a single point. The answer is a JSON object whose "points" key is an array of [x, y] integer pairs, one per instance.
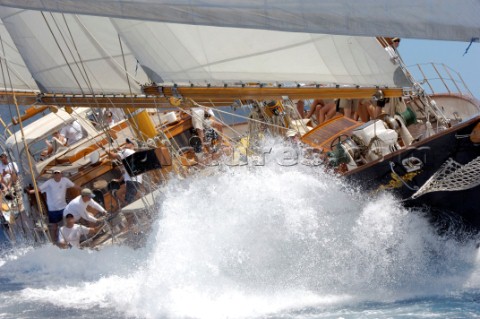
{"points": [[452, 176], [244, 117], [61, 51], [425, 99], [17, 74], [37, 196], [83, 74], [106, 52]]}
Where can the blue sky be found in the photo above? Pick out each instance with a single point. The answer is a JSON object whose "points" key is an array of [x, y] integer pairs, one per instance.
{"points": [[449, 53]]}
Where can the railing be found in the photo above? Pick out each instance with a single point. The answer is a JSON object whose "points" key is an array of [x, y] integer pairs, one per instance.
{"points": [[439, 78]]}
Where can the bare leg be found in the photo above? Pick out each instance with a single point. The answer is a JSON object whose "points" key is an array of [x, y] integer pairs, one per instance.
{"points": [[53, 230], [331, 111], [314, 108], [326, 112], [311, 111], [120, 194], [321, 114], [363, 111], [300, 108], [347, 112]]}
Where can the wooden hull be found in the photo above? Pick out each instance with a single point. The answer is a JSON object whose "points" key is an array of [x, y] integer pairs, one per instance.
{"points": [[454, 143]]}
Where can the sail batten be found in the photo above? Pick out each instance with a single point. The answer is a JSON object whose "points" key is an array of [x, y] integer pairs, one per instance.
{"points": [[424, 19]]}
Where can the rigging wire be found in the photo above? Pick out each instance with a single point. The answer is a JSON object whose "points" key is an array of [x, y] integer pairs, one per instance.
{"points": [[29, 159], [108, 54], [17, 74], [129, 113], [83, 74], [61, 51]]}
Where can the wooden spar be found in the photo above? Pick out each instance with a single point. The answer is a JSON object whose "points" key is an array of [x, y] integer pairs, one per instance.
{"points": [[23, 98], [263, 93], [34, 110], [157, 96]]}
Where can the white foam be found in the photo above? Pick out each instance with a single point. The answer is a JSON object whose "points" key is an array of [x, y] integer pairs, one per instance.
{"points": [[253, 241]]}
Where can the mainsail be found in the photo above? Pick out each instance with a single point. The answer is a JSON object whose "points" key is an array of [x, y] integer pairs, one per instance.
{"points": [[440, 19], [73, 54], [201, 54], [67, 53]]}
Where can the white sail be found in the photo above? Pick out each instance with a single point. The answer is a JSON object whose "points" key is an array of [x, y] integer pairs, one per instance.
{"points": [[426, 19], [72, 54], [201, 54], [14, 75]]}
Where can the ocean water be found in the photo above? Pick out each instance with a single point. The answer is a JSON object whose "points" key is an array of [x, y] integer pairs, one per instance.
{"points": [[257, 242]]}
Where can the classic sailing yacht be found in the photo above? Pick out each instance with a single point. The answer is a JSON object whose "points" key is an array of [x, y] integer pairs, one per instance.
{"points": [[217, 55]]}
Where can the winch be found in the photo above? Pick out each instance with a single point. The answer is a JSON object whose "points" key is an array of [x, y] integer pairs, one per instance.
{"points": [[373, 140]]}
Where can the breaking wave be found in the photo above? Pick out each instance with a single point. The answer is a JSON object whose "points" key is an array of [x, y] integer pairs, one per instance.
{"points": [[253, 241]]}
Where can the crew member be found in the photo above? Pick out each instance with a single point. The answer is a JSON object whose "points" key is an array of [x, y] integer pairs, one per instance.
{"points": [[70, 234], [78, 206]]}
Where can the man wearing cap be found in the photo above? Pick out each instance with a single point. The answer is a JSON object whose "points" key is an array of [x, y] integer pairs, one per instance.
{"points": [[56, 189], [392, 50], [78, 206], [132, 184], [69, 235]]}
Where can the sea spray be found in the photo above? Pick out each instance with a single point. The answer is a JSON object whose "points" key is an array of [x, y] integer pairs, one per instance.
{"points": [[252, 241]]}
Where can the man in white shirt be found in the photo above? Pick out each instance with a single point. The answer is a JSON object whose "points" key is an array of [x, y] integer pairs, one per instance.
{"points": [[10, 178], [9, 170], [56, 190], [109, 119], [73, 132], [132, 183], [78, 206], [203, 121], [392, 50], [70, 234]]}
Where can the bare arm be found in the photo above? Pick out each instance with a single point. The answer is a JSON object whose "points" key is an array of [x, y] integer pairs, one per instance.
{"points": [[94, 230], [112, 154], [61, 240], [88, 216]]}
